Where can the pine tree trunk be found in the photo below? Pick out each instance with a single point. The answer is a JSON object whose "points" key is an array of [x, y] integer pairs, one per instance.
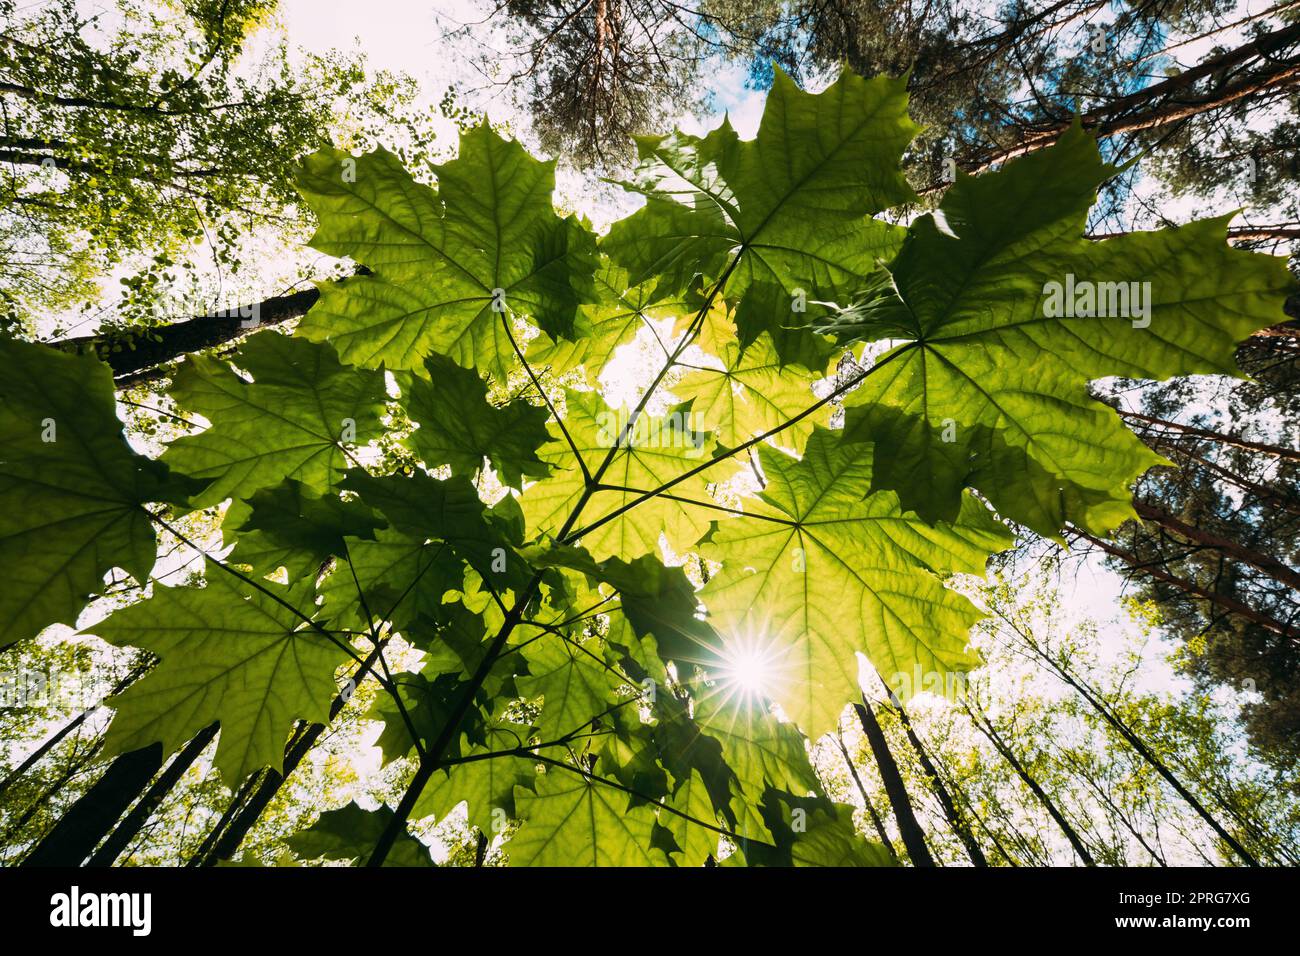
{"points": [[1267, 564], [1229, 604]]}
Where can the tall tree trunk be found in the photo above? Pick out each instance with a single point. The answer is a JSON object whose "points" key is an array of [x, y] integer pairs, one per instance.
{"points": [[950, 812], [1229, 604], [130, 826], [1085, 691], [143, 359], [74, 767], [909, 829], [986, 728], [1173, 99], [974, 815], [90, 819], [1222, 438], [876, 822], [1269, 565]]}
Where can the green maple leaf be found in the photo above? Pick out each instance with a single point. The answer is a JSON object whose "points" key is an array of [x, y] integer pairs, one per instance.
{"points": [[573, 821], [350, 833], [752, 393], [292, 527], [696, 843], [661, 449], [760, 750], [394, 577], [574, 680], [460, 427], [450, 511], [809, 832], [792, 208], [654, 599], [294, 421], [71, 490], [227, 652], [486, 786], [830, 839], [628, 753], [816, 573], [990, 391], [445, 262], [601, 327]]}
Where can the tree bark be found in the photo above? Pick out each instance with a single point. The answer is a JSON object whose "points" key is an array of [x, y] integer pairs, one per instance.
{"points": [[950, 811], [1267, 564], [1048, 804], [1229, 604], [224, 843], [876, 822], [1168, 101], [130, 826], [1276, 451], [142, 361], [89, 820], [908, 827]]}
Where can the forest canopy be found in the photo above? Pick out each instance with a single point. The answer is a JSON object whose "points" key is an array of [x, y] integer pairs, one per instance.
{"points": [[751, 526]]}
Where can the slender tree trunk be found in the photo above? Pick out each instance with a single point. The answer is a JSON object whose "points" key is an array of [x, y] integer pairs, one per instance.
{"points": [[974, 815], [74, 767], [236, 803], [1269, 565], [32, 758], [1071, 834], [876, 822], [1173, 99], [1229, 604], [909, 829], [1274, 497], [90, 819], [1222, 438], [950, 811], [131, 824], [1084, 691]]}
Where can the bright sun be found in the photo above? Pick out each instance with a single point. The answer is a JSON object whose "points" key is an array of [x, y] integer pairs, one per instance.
{"points": [[750, 666]]}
